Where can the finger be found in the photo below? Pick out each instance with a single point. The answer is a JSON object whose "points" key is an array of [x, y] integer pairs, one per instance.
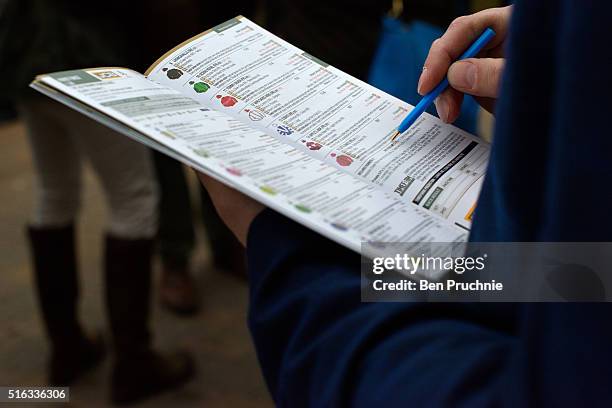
{"points": [[448, 105], [460, 34], [477, 76]]}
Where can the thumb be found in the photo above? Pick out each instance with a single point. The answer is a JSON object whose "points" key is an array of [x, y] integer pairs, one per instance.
{"points": [[477, 76]]}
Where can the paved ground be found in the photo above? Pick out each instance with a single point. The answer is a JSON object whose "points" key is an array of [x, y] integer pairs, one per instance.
{"points": [[228, 373]]}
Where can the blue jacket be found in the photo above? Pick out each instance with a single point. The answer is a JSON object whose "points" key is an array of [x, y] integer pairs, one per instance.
{"points": [[548, 180]]}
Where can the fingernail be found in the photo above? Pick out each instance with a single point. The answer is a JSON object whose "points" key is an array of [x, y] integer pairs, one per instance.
{"points": [[420, 84], [442, 108], [467, 78]]}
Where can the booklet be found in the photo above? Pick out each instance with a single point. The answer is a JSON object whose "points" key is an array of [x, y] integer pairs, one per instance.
{"points": [[294, 133]]}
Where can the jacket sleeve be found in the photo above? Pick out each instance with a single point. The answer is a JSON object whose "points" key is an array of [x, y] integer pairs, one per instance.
{"points": [[319, 345]]}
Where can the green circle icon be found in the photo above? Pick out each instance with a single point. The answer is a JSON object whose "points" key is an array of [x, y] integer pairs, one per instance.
{"points": [[201, 87]]}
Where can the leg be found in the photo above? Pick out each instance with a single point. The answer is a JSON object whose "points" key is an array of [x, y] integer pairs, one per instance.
{"points": [[126, 173], [57, 163], [52, 241]]}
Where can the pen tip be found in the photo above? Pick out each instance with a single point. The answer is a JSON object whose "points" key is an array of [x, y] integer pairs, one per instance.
{"points": [[395, 135]]}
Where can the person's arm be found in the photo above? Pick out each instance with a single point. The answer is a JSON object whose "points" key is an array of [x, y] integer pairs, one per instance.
{"points": [[319, 345]]}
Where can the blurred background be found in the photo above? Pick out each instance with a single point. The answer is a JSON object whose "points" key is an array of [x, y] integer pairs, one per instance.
{"points": [[227, 371], [199, 294]]}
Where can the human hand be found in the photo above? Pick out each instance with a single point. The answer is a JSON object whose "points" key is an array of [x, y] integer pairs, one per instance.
{"points": [[234, 208], [479, 77]]}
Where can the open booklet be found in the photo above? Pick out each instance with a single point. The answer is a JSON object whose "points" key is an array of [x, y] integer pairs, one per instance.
{"points": [[285, 128]]}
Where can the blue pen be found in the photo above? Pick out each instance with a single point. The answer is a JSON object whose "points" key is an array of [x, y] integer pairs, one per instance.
{"points": [[428, 99]]}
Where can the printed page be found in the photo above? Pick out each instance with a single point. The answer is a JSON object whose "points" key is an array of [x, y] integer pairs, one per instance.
{"points": [[323, 198], [241, 69]]}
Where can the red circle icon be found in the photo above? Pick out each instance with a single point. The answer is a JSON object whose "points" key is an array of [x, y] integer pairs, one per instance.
{"points": [[344, 160]]}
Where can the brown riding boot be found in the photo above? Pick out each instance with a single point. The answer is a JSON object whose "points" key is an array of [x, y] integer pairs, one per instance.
{"points": [[139, 372], [54, 262]]}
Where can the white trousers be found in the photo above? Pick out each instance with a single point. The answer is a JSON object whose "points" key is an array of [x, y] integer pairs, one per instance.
{"points": [[61, 140]]}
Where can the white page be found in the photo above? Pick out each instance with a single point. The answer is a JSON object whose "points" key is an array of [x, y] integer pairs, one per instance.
{"points": [[331, 202], [245, 71]]}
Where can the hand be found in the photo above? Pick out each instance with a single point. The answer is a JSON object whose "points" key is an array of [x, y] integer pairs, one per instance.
{"points": [[479, 77], [235, 209]]}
